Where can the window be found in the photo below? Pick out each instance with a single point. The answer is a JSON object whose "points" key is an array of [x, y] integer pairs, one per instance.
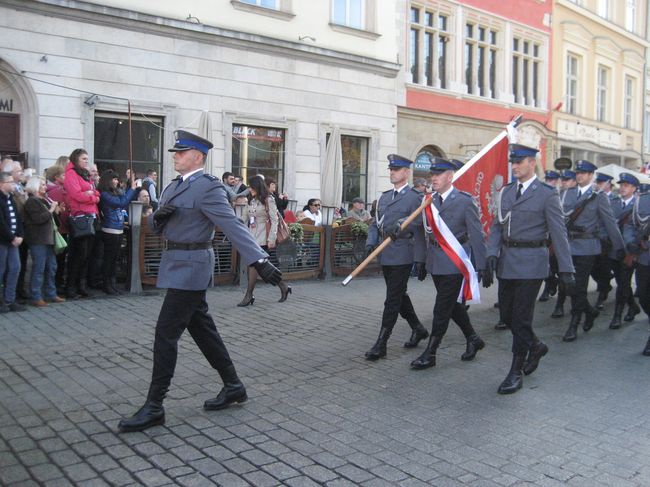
{"points": [[350, 13], [355, 167], [258, 150], [603, 8], [480, 60], [628, 104], [428, 53], [646, 133], [112, 142], [263, 3], [630, 15], [526, 72], [601, 94], [572, 85]]}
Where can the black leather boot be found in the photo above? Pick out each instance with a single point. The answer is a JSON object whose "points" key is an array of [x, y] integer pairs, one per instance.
{"points": [[82, 289], [535, 354], [501, 326], [474, 344], [428, 357], [114, 287], [151, 414], [632, 310], [602, 297], [515, 378], [616, 323], [418, 333], [646, 350], [233, 391], [378, 350], [107, 288], [571, 333], [545, 293], [590, 315]]}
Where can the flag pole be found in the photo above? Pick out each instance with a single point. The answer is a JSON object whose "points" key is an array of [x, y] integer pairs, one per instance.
{"points": [[427, 199]]}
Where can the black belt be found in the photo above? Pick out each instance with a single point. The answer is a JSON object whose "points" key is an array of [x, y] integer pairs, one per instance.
{"points": [[581, 235], [526, 245], [169, 245], [461, 240]]}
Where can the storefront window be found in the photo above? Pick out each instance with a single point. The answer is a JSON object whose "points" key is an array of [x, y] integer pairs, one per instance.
{"points": [[258, 150], [112, 143], [355, 167]]}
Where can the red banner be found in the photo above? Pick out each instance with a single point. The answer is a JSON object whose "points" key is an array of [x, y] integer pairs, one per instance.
{"points": [[484, 176]]}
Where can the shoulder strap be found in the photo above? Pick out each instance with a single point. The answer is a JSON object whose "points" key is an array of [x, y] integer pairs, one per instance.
{"points": [[580, 208]]}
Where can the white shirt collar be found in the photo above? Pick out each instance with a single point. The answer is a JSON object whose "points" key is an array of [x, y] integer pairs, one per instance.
{"points": [[582, 190], [184, 178], [527, 183], [447, 193], [399, 190], [627, 201]]}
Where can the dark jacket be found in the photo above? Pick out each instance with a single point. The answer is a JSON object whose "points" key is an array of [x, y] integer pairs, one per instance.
{"points": [[280, 203], [111, 206], [38, 222], [6, 236]]}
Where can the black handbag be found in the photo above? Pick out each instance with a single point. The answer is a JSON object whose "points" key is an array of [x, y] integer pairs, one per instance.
{"points": [[82, 225]]}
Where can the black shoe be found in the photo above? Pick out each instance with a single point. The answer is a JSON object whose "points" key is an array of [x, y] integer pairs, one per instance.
{"points": [[16, 307], [632, 310], [515, 378], [544, 297], [378, 350], [590, 316], [418, 333], [600, 302], [108, 289], [501, 326], [428, 357], [151, 414], [233, 391], [3, 307], [284, 293], [558, 312], [534, 356], [616, 323], [248, 300], [646, 350], [474, 344], [572, 332]]}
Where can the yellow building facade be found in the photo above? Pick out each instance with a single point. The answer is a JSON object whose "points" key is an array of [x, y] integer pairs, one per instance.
{"points": [[598, 80]]}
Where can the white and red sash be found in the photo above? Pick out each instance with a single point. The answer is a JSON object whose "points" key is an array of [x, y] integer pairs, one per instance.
{"points": [[470, 290]]}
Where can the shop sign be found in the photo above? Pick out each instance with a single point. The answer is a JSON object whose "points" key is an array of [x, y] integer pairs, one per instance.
{"points": [[6, 105]]}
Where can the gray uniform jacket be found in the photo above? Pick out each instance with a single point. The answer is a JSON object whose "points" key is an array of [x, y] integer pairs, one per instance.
{"points": [[621, 215], [633, 228], [535, 216], [460, 214], [409, 247], [597, 214], [201, 202]]}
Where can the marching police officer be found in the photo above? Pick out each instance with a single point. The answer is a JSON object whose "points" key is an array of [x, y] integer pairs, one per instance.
{"points": [[459, 213], [528, 212], [393, 207], [622, 207], [190, 207], [587, 211], [602, 271], [552, 178], [636, 232]]}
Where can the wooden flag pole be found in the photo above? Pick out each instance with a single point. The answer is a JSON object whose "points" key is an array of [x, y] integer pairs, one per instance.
{"points": [[425, 202]]}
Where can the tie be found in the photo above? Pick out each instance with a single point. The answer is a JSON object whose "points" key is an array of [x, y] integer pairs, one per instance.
{"points": [[519, 188], [395, 193], [178, 183], [440, 199]]}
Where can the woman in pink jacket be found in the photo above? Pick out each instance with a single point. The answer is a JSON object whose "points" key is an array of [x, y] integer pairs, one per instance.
{"points": [[81, 199]]}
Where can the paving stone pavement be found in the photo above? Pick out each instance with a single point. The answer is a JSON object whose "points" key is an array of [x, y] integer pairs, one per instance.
{"points": [[318, 414]]}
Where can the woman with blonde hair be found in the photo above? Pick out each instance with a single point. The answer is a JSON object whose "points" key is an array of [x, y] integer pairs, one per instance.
{"points": [[262, 218], [39, 236]]}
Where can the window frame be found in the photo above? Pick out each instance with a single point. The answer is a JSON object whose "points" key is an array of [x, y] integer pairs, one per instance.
{"points": [[530, 66], [602, 87], [362, 15], [604, 9], [628, 102], [630, 15], [282, 11], [280, 170], [572, 79], [434, 38]]}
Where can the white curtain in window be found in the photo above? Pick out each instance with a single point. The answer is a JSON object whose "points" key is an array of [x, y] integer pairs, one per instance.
{"points": [[331, 175]]}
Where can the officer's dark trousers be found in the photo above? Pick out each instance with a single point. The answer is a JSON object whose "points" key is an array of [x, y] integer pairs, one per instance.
{"points": [[185, 309], [447, 307], [623, 275], [602, 272], [643, 286], [517, 299], [583, 265], [397, 300]]}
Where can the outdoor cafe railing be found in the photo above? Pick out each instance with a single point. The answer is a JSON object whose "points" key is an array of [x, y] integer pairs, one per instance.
{"points": [[304, 258], [347, 251]]}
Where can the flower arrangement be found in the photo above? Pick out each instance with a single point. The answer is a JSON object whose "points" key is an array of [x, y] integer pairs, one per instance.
{"points": [[359, 229], [296, 233]]}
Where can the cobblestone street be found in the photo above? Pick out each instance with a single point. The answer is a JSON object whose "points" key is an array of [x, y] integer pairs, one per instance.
{"points": [[318, 413]]}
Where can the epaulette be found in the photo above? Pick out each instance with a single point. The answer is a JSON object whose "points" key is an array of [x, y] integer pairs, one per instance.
{"points": [[210, 177], [465, 193], [510, 184], [388, 191], [548, 185]]}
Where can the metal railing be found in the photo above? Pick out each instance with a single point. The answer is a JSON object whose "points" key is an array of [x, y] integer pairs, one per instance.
{"points": [[347, 251]]}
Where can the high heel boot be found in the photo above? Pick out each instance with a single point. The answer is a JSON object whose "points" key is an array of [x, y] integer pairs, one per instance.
{"points": [[248, 299], [284, 292]]}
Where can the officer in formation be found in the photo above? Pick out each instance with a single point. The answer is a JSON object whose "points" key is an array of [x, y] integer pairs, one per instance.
{"points": [[528, 213], [552, 178], [636, 231], [459, 213], [190, 207], [587, 211], [602, 271], [622, 207], [407, 246]]}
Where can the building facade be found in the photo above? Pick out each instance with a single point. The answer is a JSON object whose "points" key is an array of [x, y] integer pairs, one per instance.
{"points": [[470, 67], [265, 80], [599, 87]]}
